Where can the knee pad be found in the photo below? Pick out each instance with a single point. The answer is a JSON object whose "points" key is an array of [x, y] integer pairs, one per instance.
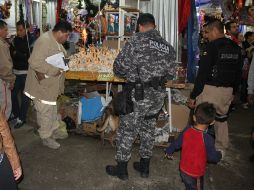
{"points": [[221, 118]]}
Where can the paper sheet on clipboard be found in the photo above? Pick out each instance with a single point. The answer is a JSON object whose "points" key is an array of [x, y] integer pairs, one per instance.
{"points": [[57, 60]]}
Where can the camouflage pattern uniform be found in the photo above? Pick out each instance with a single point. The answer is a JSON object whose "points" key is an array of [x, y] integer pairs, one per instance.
{"points": [[155, 57]]}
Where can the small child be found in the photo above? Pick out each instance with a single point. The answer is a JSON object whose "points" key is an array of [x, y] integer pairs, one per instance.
{"points": [[197, 147]]}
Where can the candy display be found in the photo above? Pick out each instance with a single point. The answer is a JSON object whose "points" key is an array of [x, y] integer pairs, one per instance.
{"points": [[93, 60]]}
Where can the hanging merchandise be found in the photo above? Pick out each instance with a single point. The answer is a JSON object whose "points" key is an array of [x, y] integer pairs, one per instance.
{"points": [[16, 10], [28, 10], [92, 8], [192, 42], [58, 10], [183, 14], [79, 11], [45, 26], [63, 14], [51, 13], [246, 15], [240, 3], [21, 13], [5, 9], [113, 3], [79, 4], [216, 2], [227, 7]]}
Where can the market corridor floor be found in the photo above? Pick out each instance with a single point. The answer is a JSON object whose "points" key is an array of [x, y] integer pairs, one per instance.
{"points": [[80, 163]]}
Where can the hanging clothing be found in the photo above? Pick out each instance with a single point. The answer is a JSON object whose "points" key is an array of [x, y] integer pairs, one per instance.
{"points": [[165, 13], [184, 8], [51, 12]]}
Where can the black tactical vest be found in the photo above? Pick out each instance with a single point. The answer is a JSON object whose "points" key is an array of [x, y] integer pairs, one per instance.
{"points": [[227, 63]]}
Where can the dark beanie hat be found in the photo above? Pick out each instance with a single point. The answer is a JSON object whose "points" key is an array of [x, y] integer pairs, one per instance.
{"points": [[145, 18]]}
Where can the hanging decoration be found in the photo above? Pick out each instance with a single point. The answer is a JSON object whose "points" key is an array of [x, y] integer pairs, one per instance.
{"points": [[5, 9]]}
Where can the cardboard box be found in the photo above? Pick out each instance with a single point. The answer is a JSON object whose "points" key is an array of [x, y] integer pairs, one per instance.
{"points": [[180, 113], [180, 116]]}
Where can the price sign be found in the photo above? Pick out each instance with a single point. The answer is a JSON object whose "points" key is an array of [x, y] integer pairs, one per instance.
{"points": [[105, 77]]}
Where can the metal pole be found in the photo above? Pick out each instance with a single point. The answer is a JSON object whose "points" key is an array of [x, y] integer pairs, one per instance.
{"points": [[169, 110], [40, 16], [16, 10], [107, 90], [31, 10], [176, 32], [100, 22]]}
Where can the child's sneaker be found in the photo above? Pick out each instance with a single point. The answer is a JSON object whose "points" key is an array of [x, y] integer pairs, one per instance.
{"points": [[245, 106]]}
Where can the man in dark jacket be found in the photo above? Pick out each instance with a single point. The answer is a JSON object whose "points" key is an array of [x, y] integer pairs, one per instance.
{"points": [[218, 78], [20, 52]]}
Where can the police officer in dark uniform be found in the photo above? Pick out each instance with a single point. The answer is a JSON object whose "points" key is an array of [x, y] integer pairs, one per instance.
{"points": [[146, 62], [218, 78]]}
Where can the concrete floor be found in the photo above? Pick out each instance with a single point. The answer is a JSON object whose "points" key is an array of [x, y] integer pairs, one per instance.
{"points": [[80, 163]]}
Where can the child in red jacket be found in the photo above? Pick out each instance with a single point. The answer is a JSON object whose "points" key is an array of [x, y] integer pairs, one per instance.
{"points": [[197, 147]]}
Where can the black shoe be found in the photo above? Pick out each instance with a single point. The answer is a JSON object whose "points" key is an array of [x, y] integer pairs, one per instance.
{"points": [[252, 158], [120, 170], [19, 124], [142, 167], [12, 118]]}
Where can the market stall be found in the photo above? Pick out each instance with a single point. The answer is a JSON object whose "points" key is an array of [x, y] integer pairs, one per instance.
{"points": [[96, 65], [109, 29]]}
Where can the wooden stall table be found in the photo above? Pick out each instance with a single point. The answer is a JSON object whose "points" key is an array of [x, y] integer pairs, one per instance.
{"points": [[109, 78]]}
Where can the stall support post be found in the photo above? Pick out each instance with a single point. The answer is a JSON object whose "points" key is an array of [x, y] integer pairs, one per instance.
{"points": [[100, 22], [40, 17], [169, 110], [108, 89]]}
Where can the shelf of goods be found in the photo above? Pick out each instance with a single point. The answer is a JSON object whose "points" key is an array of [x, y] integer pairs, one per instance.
{"points": [[94, 64]]}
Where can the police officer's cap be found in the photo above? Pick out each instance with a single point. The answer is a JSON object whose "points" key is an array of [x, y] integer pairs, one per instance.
{"points": [[145, 18]]}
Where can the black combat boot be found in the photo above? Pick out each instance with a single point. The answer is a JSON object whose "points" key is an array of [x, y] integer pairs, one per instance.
{"points": [[142, 167], [120, 170]]}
